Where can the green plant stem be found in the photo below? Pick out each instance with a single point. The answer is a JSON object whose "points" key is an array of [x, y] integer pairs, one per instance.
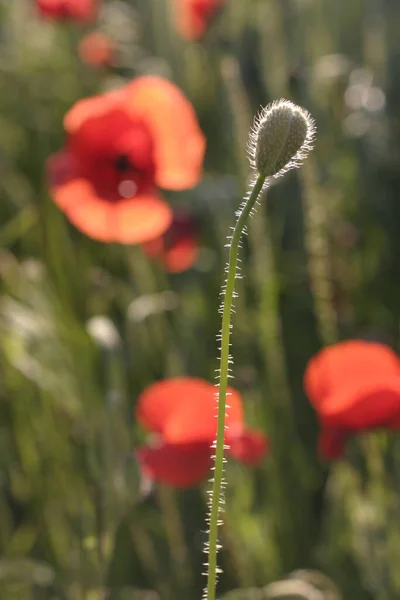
{"points": [[215, 504]]}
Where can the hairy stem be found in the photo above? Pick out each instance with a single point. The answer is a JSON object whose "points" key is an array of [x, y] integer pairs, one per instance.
{"points": [[216, 500]]}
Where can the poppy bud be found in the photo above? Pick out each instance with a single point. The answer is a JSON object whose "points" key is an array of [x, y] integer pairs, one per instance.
{"points": [[281, 138]]}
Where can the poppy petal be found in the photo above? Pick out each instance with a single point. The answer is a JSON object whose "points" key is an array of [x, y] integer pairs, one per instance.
{"points": [[178, 465], [362, 405], [130, 221], [177, 250], [77, 10], [110, 136], [141, 219], [248, 446], [316, 383], [91, 108], [83, 209], [181, 256], [179, 144], [331, 443], [161, 399], [103, 136], [193, 16], [346, 362], [196, 418], [97, 49], [183, 409]]}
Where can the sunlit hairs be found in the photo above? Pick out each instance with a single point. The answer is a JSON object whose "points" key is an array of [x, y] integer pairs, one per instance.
{"points": [[281, 138]]}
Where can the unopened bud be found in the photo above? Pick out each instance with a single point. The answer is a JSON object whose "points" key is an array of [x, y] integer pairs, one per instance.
{"points": [[281, 138]]}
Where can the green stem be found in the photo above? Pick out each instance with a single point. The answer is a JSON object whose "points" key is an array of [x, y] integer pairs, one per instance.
{"points": [[215, 504]]}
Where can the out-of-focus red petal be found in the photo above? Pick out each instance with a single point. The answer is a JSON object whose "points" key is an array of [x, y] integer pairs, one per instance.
{"points": [[163, 398], [248, 446], [331, 443], [154, 248], [94, 217], [142, 218], [96, 49], [178, 465], [183, 409], [108, 136], [131, 221], [195, 420], [194, 16], [179, 144], [181, 256], [362, 405], [316, 383], [113, 151], [75, 10], [92, 107], [347, 362], [177, 250]]}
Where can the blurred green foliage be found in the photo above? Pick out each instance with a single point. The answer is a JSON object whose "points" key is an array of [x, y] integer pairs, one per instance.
{"points": [[321, 263]]}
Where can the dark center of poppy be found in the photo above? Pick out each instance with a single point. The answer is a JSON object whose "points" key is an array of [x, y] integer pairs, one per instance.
{"points": [[122, 163]]}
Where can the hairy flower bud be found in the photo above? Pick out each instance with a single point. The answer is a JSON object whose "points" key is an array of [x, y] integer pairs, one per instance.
{"points": [[281, 138]]}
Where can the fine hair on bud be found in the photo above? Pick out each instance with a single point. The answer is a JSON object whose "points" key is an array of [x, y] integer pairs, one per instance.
{"points": [[281, 138]]}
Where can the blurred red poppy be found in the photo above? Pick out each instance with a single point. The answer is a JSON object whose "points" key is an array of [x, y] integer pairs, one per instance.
{"points": [[354, 386], [182, 412], [194, 16], [68, 10], [120, 147], [177, 250], [97, 50]]}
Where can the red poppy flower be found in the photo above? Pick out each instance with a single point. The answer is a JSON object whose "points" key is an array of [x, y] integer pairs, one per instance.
{"points": [[347, 362], [97, 50], [194, 16], [177, 250], [182, 412], [68, 10], [354, 386], [121, 146]]}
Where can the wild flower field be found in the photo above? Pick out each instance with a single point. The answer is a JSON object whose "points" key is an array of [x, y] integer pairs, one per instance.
{"points": [[124, 129]]}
